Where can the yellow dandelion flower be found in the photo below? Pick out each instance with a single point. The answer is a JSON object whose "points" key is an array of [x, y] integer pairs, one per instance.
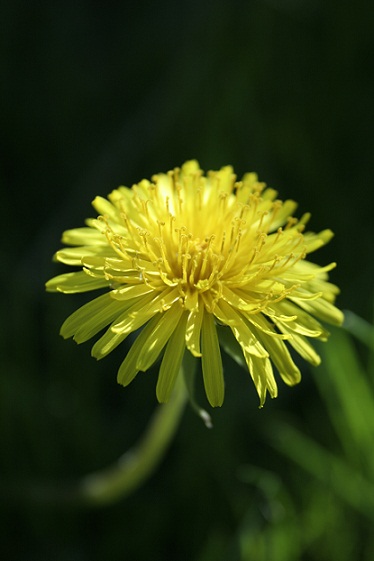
{"points": [[199, 261]]}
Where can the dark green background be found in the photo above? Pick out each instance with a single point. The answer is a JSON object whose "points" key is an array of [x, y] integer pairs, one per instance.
{"points": [[98, 94]]}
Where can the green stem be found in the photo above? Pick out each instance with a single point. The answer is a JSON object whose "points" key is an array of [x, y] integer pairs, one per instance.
{"points": [[131, 469], [121, 478]]}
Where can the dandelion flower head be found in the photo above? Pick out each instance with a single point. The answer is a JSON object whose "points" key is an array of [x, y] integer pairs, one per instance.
{"points": [[199, 262]]}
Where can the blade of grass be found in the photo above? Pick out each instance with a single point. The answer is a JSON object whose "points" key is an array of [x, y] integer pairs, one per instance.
{"points": [[349, 398], [347, 483], [360, 328]]}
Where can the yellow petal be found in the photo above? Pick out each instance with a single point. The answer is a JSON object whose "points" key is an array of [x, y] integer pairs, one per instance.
{"points": [[286, 210], [89, 319], [323, 310], [224, 178], [237, 299], [211, 362], [193, 329], [304, 323], [315, 241], [75, 255], [84, 237], [302, 346], [171, 361], [128, 369], [230, 345], [131, 291], [262, 375], [243, 334], [282, 359], [143, 309], [105, 208], [107, 343], [158, 338], [131, 319], [262, 325], [75, 282]]}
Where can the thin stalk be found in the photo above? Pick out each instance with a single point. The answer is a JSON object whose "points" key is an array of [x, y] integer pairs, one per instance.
{"points": [[123, 477], [132, 469]]}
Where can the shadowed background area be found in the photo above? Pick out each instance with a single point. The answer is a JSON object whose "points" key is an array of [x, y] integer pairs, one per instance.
{"points": [[95, 95]]}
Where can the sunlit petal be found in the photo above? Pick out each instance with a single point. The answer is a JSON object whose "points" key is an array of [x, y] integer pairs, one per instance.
{"points": [[171, 361], [211, 362]]}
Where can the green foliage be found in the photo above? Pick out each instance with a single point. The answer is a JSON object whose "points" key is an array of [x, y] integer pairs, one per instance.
{"points": [[331, 514]]}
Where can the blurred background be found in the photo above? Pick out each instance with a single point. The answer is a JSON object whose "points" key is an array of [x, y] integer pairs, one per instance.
{"points": [[99, 94]]}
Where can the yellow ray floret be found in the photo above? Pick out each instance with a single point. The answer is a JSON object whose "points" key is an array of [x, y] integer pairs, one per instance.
{"points": [[198, 261]]}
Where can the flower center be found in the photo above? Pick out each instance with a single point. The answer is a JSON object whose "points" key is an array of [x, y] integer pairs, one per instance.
{"points": [[196, 237]]}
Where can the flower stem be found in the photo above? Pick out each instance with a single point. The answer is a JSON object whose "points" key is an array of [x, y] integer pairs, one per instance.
{"points": [[129, 472], [131, 469]]}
